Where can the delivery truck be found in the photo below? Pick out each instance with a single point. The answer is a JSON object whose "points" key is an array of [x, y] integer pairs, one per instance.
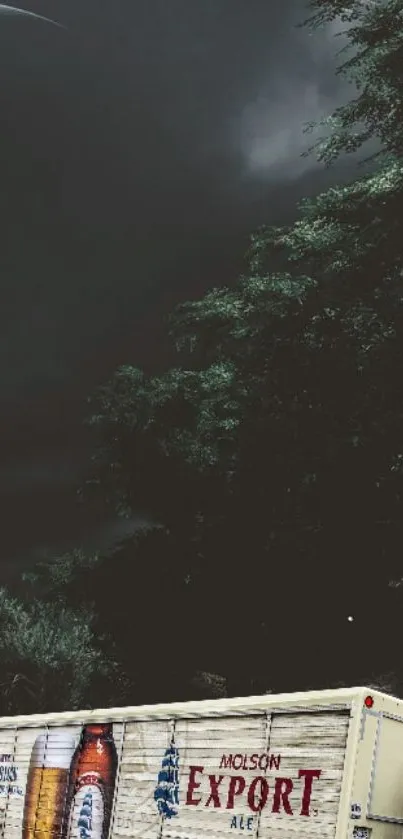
{"points": [[290, 766]]}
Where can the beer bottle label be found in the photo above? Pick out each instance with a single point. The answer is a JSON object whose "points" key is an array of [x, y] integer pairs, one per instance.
{"points": [[87, 813]]}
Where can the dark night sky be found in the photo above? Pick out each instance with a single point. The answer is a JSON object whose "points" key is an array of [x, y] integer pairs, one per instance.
{"points": [[139, 147]]}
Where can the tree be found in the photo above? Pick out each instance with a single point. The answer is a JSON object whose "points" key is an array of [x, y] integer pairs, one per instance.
{"points": [[375, 39], [273, 454], [53, 656], [49, 657]]}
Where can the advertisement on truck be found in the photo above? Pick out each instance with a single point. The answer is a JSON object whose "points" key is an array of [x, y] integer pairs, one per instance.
{"points": [[268, 767]]}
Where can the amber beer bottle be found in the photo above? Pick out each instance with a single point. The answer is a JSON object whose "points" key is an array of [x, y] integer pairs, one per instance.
{"points": [[92, 784], [47, 785]]}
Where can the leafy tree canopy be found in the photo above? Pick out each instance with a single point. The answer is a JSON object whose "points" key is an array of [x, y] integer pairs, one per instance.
{"points": [[54, 656], [273, 452]]}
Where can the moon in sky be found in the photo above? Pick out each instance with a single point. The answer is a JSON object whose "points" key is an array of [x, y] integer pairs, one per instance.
{"points": [[13, 11]]}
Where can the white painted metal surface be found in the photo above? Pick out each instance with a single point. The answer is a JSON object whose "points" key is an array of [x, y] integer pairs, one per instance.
{"points": [[290, 766]]}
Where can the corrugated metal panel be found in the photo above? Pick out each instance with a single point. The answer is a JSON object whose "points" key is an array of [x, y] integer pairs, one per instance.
{"points": [[35, 767], [210, 744], [143, 749], [19, 743], [8, 777], [190, 778], [313, 742], [276, 703]]}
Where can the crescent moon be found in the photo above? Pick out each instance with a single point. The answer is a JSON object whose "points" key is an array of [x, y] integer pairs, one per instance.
{"points": [[13, 11]]}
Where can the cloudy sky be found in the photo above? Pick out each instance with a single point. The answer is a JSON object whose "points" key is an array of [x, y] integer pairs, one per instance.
{"points": [[139, 146]]}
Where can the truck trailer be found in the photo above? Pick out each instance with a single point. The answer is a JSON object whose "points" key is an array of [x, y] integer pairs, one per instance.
{"points": [[325, 764]]}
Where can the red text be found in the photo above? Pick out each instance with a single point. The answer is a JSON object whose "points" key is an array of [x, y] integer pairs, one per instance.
{"points": [[260, 791]]}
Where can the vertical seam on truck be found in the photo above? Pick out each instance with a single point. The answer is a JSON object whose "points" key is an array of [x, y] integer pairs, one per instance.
{"points": [[171, 737], [64, 813], [363, 721], [118, 774], [63, 809], [269, 720], [42, 774], [373, 767], [354, 773]]}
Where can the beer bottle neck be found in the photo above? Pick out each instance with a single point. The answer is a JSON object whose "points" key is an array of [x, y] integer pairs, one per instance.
{"points": [[98, 730]]}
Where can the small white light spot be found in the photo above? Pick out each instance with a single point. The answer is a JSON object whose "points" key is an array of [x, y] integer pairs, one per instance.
{"points": [[350, 618]]}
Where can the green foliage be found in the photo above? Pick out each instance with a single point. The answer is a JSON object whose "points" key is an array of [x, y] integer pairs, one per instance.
{"points": [[50, 657], [374, 33], [53, 576], [272, 454], [209, 686], [55, 649]]}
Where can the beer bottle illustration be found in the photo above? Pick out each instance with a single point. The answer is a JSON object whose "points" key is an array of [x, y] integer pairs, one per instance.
{"points": [[47, 785], [92, 784]]}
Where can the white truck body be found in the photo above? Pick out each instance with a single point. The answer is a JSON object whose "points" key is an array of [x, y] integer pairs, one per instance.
{"points": [[326, 764]]}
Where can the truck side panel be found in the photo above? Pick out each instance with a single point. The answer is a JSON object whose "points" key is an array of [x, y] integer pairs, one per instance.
{"points": [[15, 754], [144, 746], [34, 783], [220, 759], [386, 791], [273, 776], [270, 775], [312, 748]]}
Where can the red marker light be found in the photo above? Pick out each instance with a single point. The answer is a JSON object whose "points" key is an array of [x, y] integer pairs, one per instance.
{"points": [[368, 701]]}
